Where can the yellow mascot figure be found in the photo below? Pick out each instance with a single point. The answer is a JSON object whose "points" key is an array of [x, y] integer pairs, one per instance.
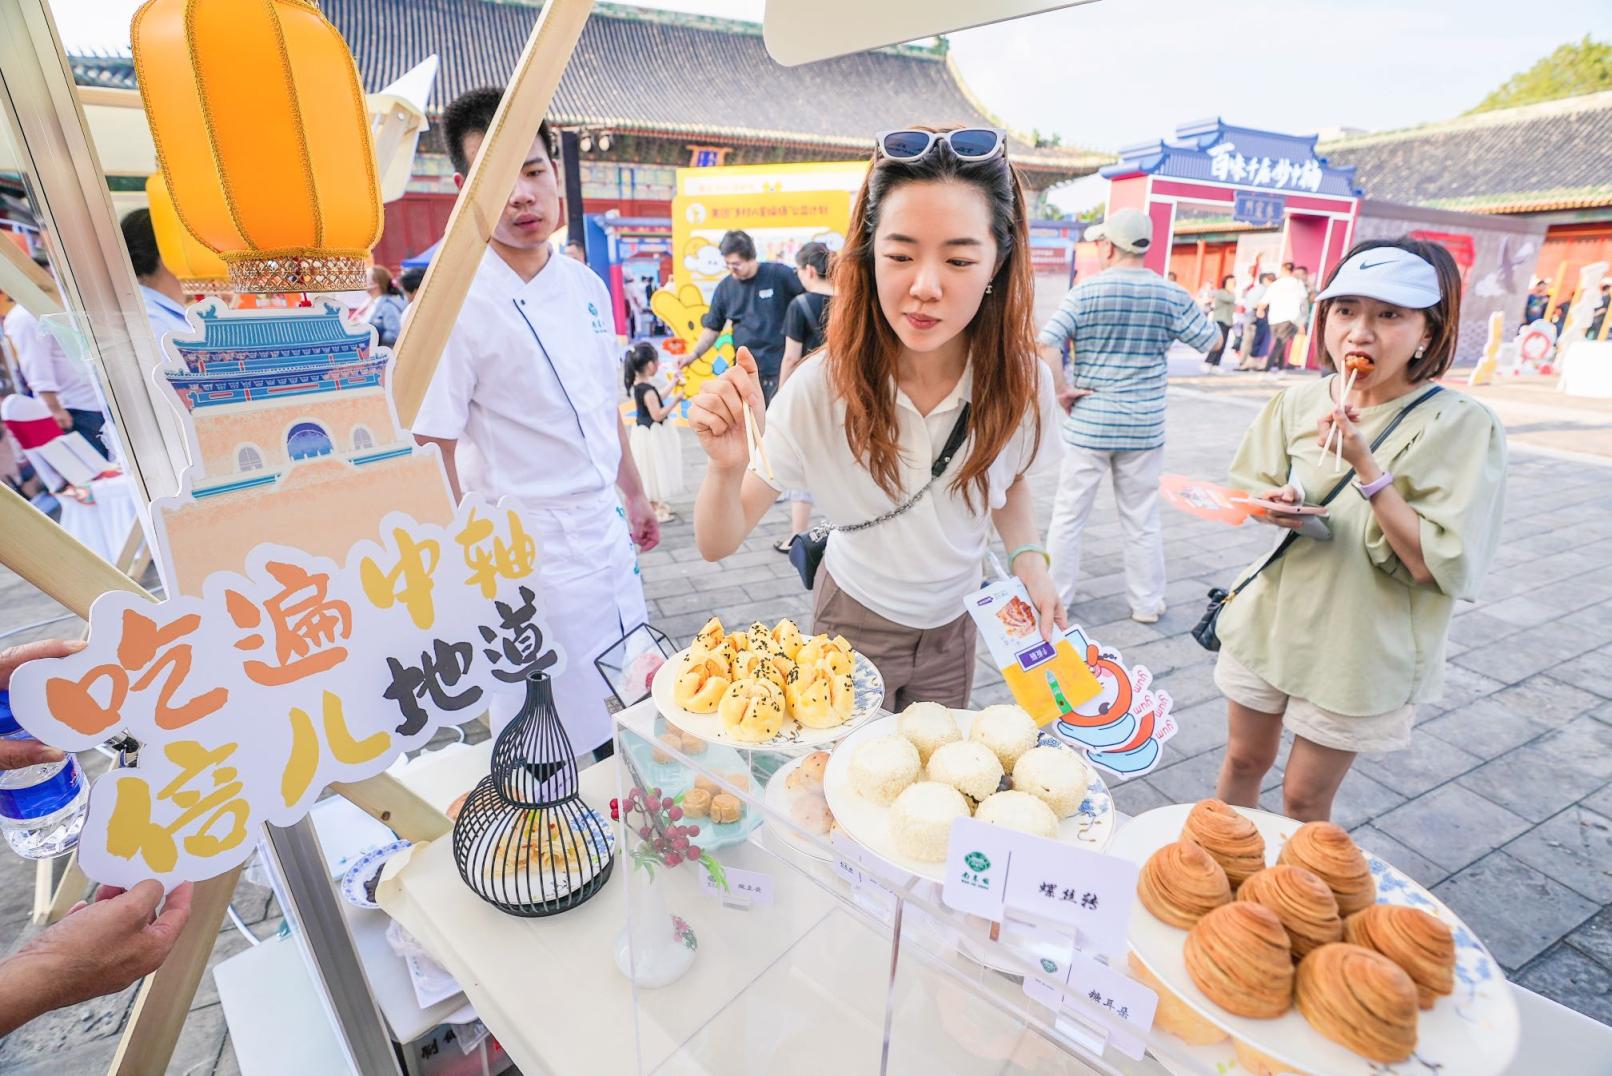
{"points": [[682, 310]]}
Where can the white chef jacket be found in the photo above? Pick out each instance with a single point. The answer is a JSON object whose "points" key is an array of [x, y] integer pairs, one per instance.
{"points": [[531, 377], [46, 366], [918, 568], [165, 315]]}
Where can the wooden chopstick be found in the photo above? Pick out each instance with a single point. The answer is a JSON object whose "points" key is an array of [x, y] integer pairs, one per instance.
{"points": [[752, 439], [1337, 431]]}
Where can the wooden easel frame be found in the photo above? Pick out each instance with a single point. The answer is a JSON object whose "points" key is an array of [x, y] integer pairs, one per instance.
{"points": [[57, 564]]}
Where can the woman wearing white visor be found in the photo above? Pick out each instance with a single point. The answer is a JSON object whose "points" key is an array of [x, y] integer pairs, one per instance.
{"points": [[1341, 632]]}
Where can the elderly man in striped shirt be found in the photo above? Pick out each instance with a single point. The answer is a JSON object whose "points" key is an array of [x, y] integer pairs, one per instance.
{"points": [[1119, 326]]}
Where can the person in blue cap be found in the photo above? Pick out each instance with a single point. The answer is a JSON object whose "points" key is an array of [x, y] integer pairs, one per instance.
{"points": [[1341, 632]]}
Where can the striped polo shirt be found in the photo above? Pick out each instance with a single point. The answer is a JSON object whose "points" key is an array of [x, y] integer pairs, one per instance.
{"points": [[1120, 324]]}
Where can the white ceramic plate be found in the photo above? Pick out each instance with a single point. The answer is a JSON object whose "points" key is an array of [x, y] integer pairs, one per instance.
{"points": [[1472, 1032], [537, 884], [779, 798], [867, 823], [869, 687], [367, 866]]}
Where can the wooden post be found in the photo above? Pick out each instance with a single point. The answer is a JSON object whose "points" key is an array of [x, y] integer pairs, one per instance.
{"points": [[164, 999], [481, 202], [27, 283], [69, 891], [62, 567], [59, 565]]}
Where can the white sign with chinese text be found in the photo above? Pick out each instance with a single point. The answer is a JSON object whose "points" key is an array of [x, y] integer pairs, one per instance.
{"points": [[1088, 891], [749, 889], [977, 857], [1124, 1006], [872, 895], [991, 870], [250, 697], [1280, 173]]}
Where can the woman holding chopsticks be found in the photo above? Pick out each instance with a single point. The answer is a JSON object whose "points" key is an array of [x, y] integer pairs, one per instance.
{"points": [[1341, 634], [916, 427]]}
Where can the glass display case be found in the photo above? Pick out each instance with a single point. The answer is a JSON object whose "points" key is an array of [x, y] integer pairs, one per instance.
{"points": [[783, 947]]}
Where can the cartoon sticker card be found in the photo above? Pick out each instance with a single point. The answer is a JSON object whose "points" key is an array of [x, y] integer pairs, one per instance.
{"points": [[1123, 727], [1046, 678], [1206, 500]]}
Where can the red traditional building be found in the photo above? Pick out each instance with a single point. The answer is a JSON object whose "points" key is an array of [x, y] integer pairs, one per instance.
{"points": [[650, 91]]}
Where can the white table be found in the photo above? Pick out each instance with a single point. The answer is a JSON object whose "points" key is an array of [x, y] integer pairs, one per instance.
{"points": [[344, 833], [800, 986], [104, 525]]}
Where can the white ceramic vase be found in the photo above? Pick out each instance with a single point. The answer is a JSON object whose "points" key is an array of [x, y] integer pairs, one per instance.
{"points": [[655, 948]]}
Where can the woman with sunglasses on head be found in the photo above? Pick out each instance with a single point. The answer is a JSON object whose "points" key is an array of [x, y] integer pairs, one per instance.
{"points": [[1342, 630], [922, 416]]}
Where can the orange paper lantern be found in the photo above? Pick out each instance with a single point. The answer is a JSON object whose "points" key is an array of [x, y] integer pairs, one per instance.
{"points": [[262, 134], [200, 271]]}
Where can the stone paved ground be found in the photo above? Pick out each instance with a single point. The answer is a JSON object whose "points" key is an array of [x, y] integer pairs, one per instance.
{"points": [[1503, 805]]}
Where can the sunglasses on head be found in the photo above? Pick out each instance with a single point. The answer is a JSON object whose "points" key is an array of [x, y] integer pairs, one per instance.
{"points": [[966, 143]]}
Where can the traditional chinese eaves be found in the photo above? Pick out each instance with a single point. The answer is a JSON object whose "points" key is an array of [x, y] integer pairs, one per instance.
{"points": [[1540, 158], [1213, 151], [666, 74], [638, 71]]}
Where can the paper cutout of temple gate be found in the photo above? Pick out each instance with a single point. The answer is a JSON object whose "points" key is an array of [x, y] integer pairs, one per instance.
{"points": [[329, 609], [285, 408], [1263, 177]]}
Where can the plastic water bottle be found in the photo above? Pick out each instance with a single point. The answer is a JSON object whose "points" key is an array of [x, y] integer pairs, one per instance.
{"points": [[41, 807]]}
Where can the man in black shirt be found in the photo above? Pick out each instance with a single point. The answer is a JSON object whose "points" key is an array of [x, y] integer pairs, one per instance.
{"points": [[754, 296]]}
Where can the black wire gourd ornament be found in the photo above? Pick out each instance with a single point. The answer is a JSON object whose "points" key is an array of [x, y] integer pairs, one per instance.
{"points": [[524, 841]]}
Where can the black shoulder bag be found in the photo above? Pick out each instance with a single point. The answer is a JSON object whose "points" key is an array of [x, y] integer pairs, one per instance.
{"points": [[806, 550], [1205, 633]]}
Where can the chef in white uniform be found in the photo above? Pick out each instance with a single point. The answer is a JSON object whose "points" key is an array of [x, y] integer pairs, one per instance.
{"points": [[531, 378]]}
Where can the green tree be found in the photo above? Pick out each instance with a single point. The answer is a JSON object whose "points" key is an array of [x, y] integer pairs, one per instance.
{"points": [[1583, 66]]}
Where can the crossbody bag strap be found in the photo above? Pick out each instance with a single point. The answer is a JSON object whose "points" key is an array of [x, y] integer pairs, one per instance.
{"points": [[954, 444], [1293, 536]]}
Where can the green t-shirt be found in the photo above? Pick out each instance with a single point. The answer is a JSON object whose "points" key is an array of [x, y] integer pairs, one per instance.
{"points": [[1341, 623]]}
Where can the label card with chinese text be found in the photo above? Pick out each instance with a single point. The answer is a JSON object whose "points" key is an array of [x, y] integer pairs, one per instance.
{"points": [[1127, 1005], [977, 858], [1123, 1005], [872, 895], [1076, 888], [330, 607], [749, 889], [1053, 995], [990, 870]]}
